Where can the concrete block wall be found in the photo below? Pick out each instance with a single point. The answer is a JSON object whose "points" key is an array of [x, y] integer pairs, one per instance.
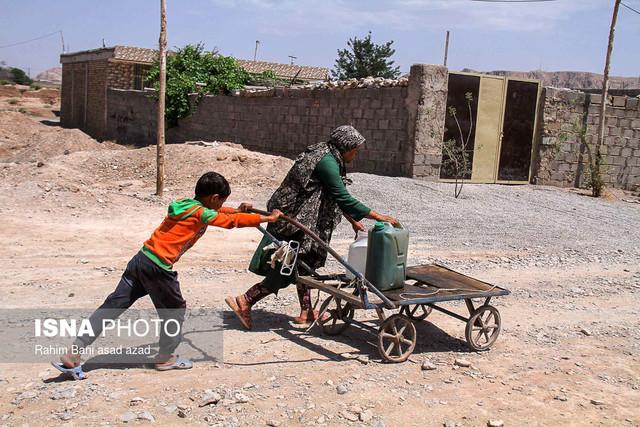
{"points": [[131, 117], [563, 160], [403, 124], [285, 121]]}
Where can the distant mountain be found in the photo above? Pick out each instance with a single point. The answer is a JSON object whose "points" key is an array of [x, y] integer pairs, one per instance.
{"points": [[52, 75], [567, 79]]}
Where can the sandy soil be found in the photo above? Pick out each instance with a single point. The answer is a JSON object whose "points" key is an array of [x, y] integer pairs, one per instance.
{"points": [[568, 353], [43, 103]]}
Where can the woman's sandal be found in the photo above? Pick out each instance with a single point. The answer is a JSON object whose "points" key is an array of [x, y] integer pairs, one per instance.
{"points": [[244, 317], [180, 363], [308, 321]]}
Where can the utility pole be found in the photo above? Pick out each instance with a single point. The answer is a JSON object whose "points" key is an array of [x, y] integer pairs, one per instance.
{"points": [[161, 95], [597, 187], [62, 40], [255, 52], [446, 49], [292, 58]]}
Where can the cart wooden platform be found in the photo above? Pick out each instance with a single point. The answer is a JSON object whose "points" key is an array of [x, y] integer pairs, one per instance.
{"points": [[425, 288]]}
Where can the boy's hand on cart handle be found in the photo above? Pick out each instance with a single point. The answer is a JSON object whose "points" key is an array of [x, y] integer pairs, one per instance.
{"points": [[275, 215], [245, 206]]}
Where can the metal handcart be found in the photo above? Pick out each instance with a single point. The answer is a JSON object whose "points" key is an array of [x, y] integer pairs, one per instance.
{"points": [[426, 286]]}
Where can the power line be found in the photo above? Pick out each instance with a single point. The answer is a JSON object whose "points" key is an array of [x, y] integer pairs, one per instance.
{"points": [[630, 8], [31, 40]]}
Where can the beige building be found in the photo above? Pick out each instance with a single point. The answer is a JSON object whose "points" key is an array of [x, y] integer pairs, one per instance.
{"points": [[87, 75]]}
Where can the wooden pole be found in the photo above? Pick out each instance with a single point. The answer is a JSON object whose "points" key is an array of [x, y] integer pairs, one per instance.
{"points": [[597, 189], [446, 49], [161, 100]]}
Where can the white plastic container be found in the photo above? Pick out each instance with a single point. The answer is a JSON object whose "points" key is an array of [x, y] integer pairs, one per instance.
{"points": [[357, 257]]}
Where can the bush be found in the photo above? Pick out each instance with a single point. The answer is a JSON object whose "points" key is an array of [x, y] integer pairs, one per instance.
{"points": [[20, 77], [192, 70], [12, 101]]}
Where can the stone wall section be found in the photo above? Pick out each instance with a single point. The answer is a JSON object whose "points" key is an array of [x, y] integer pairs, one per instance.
{"points": [[120, 75], [426, 104]]}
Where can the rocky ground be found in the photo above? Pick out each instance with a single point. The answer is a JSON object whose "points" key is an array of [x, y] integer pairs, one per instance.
{"points": [[568, 354]]}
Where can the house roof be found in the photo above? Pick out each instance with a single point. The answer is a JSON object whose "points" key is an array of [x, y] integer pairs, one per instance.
{"points": [[135, 54], [114, 53], [143, 55], [285, 70]]}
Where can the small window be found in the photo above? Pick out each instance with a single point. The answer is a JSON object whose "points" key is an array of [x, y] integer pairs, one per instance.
{"points": [[140, 72]]}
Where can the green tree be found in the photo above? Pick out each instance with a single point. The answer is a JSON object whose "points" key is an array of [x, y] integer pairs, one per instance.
{"points": [[20, 77], [363, 58], [192, 70]]}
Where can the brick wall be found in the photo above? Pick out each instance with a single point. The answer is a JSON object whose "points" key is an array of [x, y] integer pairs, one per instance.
{"points": [[83, 97], [96, 99], [563, 159], [84, 106], [66, 93]]}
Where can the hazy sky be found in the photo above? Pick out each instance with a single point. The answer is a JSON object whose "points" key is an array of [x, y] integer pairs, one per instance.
{"points": [[553, 36]]}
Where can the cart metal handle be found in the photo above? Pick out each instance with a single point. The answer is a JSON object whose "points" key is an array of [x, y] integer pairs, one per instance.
{"points": [[333, 253]]}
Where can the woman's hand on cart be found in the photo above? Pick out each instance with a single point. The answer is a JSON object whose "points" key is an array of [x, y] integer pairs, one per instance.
{"points": [[356, 225]]}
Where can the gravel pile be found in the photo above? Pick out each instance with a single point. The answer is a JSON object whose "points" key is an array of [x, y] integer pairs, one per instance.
{"points": [[545, 225]]}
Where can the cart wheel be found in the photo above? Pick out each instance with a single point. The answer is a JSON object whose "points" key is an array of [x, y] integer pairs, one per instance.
{"points": [[396, 338], [340, 315], [483, 328], [416, 312]]}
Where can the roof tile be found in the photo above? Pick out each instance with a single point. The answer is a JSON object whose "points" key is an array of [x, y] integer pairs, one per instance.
{"points": [[285, 70]]}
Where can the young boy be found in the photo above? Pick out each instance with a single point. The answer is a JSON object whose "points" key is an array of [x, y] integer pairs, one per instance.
{"points": [[150, 271]]}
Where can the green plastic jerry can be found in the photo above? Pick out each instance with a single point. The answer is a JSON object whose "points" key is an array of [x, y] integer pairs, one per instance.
{"points": [[387, 256]]}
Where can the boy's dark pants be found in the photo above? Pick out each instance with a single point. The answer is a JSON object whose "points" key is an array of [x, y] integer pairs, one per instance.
{"points": [[143, 277]]}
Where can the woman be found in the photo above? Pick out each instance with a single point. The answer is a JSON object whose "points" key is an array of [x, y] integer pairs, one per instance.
{"points": [[314, 193]]}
